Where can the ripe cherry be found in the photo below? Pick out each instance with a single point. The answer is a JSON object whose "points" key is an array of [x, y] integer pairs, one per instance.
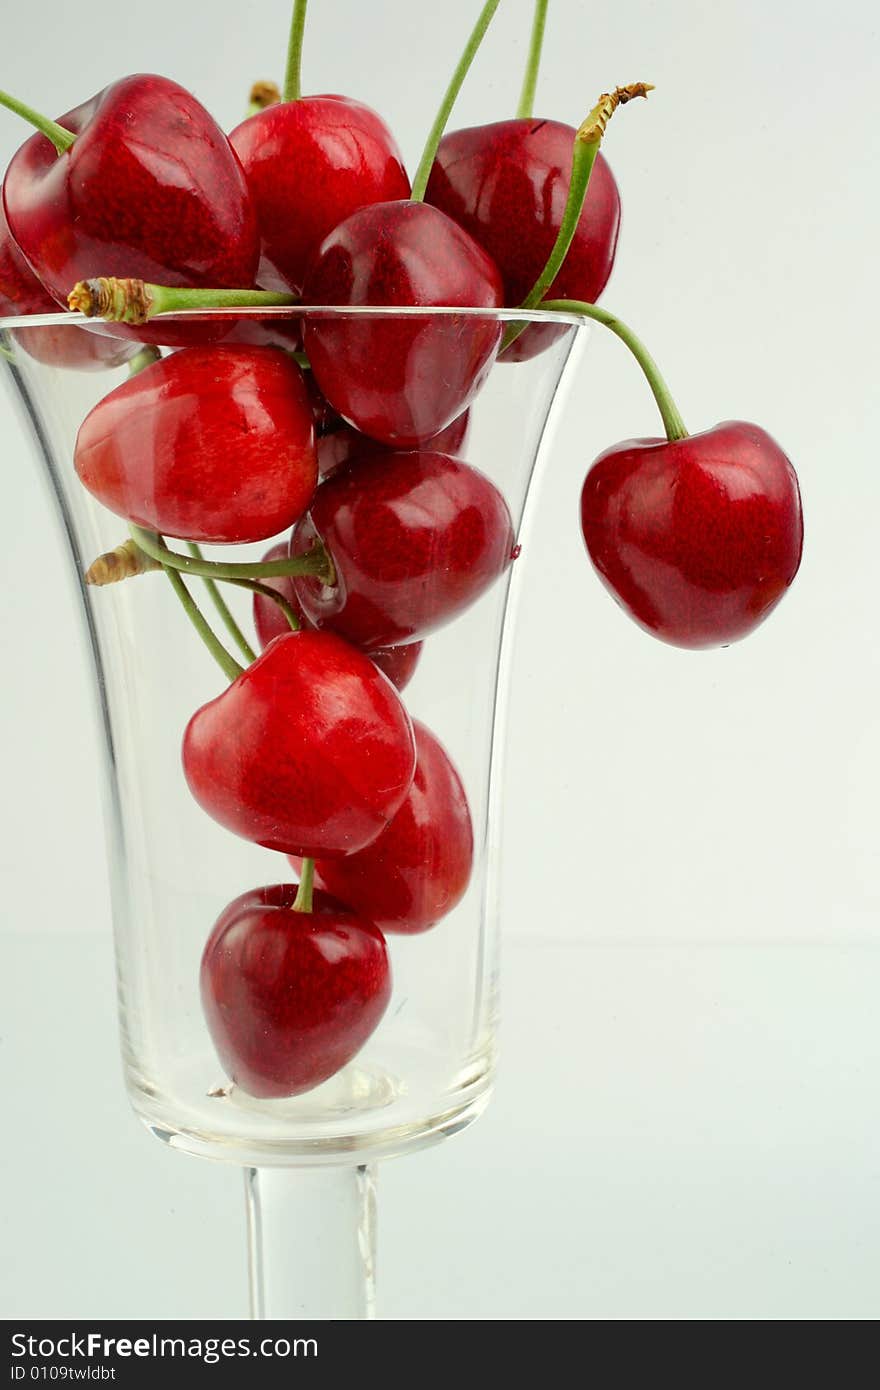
{"points": [[415, 538], [22, 293], [309, 751], [397, 663], [507, 184], [309, 164], [291, 996], [697, 538], [401, 380], [269, 618], [209, 444], [338, 443], [419, 868], [150, 188]]}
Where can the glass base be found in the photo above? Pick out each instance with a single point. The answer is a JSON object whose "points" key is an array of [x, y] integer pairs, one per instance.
{"points": [[318, 1133]]}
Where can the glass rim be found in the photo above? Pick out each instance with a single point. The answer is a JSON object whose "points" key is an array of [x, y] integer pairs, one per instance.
{"points": [[63, 318]]}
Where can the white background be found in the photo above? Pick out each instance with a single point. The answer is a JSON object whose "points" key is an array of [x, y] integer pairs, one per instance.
{"points": [[686, 1121]]}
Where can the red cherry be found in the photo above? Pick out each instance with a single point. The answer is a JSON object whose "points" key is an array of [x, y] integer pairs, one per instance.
{"points": [[22, 293], [309, 164], [339, 443], [419, 868], [210, 444], [397, 663], [279, 332], [310, 751], [269, 619], [326, 418], [415, 538], [151, 188], [697, 539], [507, 184], [290, 997], [401, 381]]}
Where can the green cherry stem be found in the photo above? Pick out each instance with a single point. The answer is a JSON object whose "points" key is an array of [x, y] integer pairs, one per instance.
{"points": [[257, 588], [530, 78], [134, 301], [316, 562], [222, 608], [586, 146], [420, 182], [62, 139], [303, 900], [672, 421], [143, 359], [227, 663], [292, 90]]}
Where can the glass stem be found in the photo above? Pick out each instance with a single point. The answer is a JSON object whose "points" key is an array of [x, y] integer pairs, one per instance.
{"points": [[312, 1242]]}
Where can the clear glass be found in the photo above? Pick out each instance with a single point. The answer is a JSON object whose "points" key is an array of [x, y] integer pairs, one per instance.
{"points": [[426, 1071]]}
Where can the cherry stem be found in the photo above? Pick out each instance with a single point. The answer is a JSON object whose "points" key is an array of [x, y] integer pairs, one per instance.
{"points": [[672, 421], [62, 139], [316, 562], [586, 146], [262, 94], [143, 359], [267, 591], [303, 900], [227, 663], [222, 608], [134, 301], [126, 561], [292, 90], [530, 79], [420, 182]]}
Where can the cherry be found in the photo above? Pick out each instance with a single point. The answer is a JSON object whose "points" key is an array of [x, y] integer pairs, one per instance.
{"points": [[150, 188], [22, 293], [209, 444], [277, 332], [697, 538], [419, 868], [507, 185], [269, 619], [309, 751], [309, 164], [290, 996], [401, 380], [397, 663], [338, 443], [415, 538]]}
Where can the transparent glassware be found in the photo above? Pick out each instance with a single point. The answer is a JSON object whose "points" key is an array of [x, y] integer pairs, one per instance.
{"points": [[426, 1072]]}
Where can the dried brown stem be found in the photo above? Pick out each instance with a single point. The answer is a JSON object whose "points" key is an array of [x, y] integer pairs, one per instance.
{"points": [[593, 128], [119, 300], [264, 94], [126, 561]]}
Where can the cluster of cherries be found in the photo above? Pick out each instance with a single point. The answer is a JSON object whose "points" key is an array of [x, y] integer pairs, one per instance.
{"points": [[345, 436]]}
